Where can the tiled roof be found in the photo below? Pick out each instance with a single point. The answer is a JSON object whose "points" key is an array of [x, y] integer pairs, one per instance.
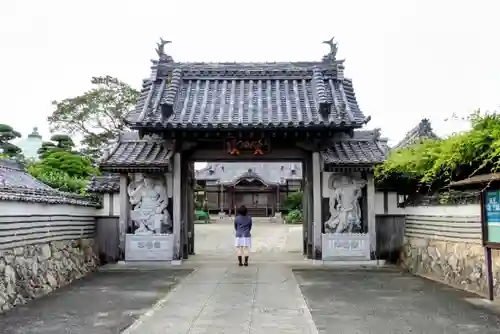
{"points": [[364, 148], [268, 172], [422, 131], [131, 153], [104, 184], [229, 95], [17, 185]]}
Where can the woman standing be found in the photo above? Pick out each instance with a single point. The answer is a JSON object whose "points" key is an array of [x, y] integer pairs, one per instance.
{"points": [[243, 227]]}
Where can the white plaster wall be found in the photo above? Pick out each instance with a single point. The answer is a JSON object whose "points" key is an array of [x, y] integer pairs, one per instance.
{"points": [[434, 210], [379, 203], [104, 211], [110, 205], [445, 210], [392, 204], [116, 204], [12, 208]]}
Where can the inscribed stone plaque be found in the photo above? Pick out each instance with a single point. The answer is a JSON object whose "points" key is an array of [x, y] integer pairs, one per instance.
{"points": [[156, 247], [345, 246]]}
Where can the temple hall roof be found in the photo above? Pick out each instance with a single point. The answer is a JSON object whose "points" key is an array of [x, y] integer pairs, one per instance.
{"points": [[269, 172], [422, 131], [130, 153], [247, 95], [17, 185]]}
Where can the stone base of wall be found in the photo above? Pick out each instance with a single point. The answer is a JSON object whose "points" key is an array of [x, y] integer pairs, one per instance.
{"points": [[458, 264], [33, 271]]}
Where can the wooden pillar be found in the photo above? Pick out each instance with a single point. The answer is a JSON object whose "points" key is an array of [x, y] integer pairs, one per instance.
{"points": [[370, 198], [278, 209], [233, 202], [317, 201], [124, 220], [304, 210], [309, 206], [191, 209], [221, 198], [185, 200], [177, 205]]}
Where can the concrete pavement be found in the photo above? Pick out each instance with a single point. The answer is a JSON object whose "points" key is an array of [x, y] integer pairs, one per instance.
{"points": [[262, 299], [105, 302]]}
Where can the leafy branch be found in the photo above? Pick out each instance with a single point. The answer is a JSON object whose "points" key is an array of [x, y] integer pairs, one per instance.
{"points": [[434, 163]]}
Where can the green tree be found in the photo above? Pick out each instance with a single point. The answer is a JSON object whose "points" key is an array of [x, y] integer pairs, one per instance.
{"points": [[7, 133], [433, 164], [63, 170], [63, 142], [46, 148], [96, 115], [59, 143]]}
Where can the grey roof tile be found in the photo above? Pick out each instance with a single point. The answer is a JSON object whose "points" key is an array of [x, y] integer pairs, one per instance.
{"points": [[17, 185], [130, 153], [289, 94], [422, 131], [104, 184], [364, 148]]}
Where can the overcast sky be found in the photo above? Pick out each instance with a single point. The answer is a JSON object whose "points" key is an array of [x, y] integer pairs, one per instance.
{"points": [[409, 59]]}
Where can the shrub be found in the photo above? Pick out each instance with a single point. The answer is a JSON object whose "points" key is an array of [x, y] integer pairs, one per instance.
{"points": [[294, 217]]}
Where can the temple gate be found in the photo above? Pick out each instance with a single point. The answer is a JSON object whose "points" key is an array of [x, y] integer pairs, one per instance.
{"points": [[301, 111]]}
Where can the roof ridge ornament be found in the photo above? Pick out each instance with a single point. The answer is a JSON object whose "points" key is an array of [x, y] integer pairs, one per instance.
{"points": [[160, 51], [332, 55]]}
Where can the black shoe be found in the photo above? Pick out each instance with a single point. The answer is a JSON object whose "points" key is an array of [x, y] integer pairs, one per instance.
{"points": [[246, 261], [240, 263]]}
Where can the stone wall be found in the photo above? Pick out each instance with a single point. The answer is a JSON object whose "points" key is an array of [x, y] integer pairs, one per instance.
{"points": [[31, 271], [460, 264], [443, 242]]}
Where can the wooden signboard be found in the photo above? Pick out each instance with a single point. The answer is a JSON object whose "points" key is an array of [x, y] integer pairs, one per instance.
{"points": [[490, 218], [490, 227], [238, 146]]}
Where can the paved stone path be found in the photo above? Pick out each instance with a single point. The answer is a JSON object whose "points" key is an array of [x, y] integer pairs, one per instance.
{"points": [[220, 297], [262, 299], [217, 239]]}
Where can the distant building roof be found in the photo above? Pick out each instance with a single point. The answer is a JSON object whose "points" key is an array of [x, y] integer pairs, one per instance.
{"points": [[17, 185], [131, 153], [104, 184], [422, 131], [246, 95], [477, 180]]}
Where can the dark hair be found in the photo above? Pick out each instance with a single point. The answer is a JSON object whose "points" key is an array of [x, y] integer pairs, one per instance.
{"points": [[242, 210]]}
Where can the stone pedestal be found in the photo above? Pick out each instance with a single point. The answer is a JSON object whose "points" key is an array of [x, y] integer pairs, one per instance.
{"points": [[345, 246], [278, 218], [156, 247]]}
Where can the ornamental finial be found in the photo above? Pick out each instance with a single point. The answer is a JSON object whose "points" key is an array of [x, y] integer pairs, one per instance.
{"points": [[332, 55], [160, 50]]}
